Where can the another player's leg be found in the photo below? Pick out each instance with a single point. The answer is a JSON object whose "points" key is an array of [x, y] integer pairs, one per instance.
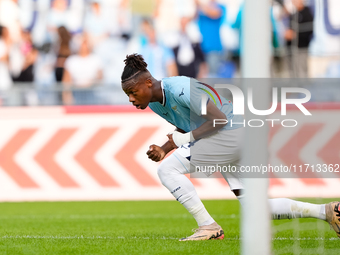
{"points": [[284, 208], [171, 173]]}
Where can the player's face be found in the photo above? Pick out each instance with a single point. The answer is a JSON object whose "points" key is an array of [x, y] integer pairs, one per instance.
{"points": [[139, 94]]}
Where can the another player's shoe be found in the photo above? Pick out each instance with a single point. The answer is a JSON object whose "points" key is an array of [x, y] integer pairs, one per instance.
{"points": [[333, 216], [209, 232]]}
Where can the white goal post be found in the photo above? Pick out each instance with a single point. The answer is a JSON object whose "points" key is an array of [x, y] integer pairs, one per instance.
{"points": [[255, 63]]}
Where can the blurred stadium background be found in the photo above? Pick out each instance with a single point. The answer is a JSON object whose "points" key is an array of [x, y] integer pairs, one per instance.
{"points": [[46, 45], [67, 132]]}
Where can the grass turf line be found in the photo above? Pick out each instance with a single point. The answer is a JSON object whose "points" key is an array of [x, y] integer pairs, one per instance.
{"points": [[143, 227]]}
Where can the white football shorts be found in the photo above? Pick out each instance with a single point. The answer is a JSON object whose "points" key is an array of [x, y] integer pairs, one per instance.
{"points": [[223, 149]]}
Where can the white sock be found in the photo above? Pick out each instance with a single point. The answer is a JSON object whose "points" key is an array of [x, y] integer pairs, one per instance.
{"points": [[284, 208], [171, 173], [200, 214]]}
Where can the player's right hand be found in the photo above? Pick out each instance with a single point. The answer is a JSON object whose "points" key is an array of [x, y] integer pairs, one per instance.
{"points": [[155, 153]]}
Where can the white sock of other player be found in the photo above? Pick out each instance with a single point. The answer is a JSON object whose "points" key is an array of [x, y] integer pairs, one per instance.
{"points": [[284, 208], [171, 173]]}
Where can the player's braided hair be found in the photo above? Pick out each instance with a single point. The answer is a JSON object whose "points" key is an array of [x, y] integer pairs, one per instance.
{"points": [[134, 65]]}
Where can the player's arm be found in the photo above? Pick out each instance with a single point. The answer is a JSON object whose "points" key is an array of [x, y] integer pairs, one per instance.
{"points": [[207, 128], [157, 153]]}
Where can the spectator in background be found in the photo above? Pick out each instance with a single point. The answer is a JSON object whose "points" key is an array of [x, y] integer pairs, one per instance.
{"points": [[189, 55], [97, 22], [58, 16], [298, 36], [29, 55], [166, 21], [275, 34], [280, 16], [5, 77], [160, 59], [209, 21], [63, 52], [34, 15], [67, 13], [125, 19], [82, 71], [44, 76], [9, 17]]}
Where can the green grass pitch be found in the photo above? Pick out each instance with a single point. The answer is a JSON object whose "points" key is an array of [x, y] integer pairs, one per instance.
{"points": [[141, 227]]}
